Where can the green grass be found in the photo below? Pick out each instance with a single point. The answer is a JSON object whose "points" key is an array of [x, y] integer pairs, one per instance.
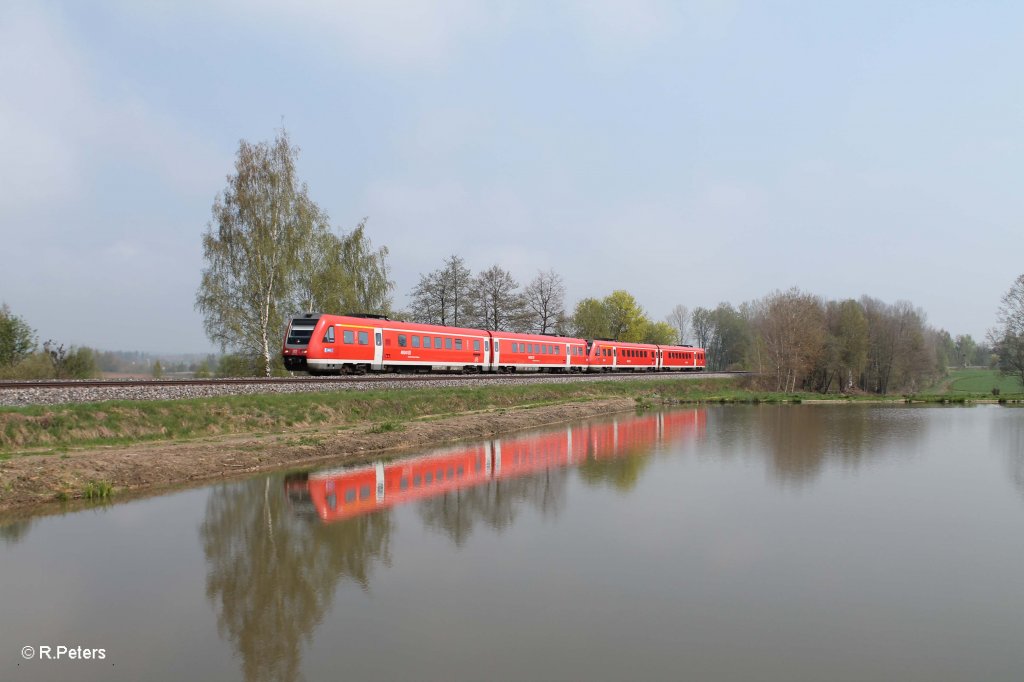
{"points": [[98, 490], [126, 422], [47, 429], [973, 381], [386, 427]]}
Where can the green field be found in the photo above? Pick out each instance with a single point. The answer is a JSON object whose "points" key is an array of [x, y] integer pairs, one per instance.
{"points": [[971, 380]]}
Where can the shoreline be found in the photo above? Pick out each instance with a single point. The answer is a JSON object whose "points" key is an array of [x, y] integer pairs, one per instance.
{"points": [[39, 483]]}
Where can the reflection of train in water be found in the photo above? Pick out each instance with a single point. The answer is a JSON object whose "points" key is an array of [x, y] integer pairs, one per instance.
{"points": [[344, 493]]}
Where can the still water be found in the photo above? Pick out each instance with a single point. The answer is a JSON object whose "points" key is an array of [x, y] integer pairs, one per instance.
{"points": [[727, 543]]}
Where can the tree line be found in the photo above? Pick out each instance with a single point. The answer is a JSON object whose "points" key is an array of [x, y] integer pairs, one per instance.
{"points": [[21, 356], [269, 250]]}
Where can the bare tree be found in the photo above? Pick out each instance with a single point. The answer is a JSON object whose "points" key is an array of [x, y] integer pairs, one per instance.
{"points": [[545, 301], [703, 326], [680, 319], [1007, 338], [440, 297], [792, 328], [494, 301]]}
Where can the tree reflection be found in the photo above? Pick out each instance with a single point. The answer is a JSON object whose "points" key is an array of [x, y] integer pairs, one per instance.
{"points": [[272, 575], [1010, 433], [799, 441], [495, 504], [621, 473], [15, 531]]}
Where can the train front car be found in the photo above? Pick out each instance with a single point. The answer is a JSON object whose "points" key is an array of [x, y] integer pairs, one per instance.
{"points": [[296, 341], [356, 344], [332, 344]]}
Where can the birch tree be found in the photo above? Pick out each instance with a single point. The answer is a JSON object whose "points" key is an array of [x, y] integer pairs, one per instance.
{"points": [[342, 274], [260, 221]]}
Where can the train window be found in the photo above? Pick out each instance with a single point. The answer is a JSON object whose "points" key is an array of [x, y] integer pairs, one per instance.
{"points": [[448, 343], [329, 336], [350, 337], [440, 475], [404, 483], [364, 492], [458, 344], [401, 340], [364, 338], [350, 495], [476, 344], [426, 342], [437, 342], [487, 344], [416, 480], [428, 477], [451, 473], [415, 341], [377, 337], [496, 345], [332, 501], [461, 471]]}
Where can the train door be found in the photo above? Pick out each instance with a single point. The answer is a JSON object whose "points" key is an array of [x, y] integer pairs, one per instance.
{"points": [[615, 357], [378, 349], [495, 353]]}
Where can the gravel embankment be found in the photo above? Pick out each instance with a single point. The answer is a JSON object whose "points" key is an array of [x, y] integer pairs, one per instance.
{"points": [[16, 397]]}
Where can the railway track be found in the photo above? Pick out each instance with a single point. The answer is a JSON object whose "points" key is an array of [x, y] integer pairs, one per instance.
{"points": [[324, 381]]}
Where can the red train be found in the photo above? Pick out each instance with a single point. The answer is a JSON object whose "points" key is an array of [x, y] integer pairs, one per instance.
{"points": [[345, 493], [355, 344]]}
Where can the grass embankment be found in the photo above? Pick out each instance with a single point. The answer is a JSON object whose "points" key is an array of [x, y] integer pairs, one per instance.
{"points": [[41, 429], [121, 422]]}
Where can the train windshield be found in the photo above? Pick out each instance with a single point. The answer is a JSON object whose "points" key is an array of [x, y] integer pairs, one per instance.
{"points": [[300, 330]]}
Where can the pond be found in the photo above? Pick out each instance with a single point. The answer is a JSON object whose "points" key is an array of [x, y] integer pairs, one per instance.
{"points": [[720, 543]]}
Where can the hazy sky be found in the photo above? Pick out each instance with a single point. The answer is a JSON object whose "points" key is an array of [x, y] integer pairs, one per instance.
{"points": [[687, 152]]}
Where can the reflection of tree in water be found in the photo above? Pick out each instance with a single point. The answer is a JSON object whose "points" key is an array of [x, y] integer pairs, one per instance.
{"points": [[271, 574], [495, 503], [1010, 432], [621, 471], [800, 439], [15, 531]]}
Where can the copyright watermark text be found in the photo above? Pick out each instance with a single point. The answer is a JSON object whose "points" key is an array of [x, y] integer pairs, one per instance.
{"points": [[62, 652]]}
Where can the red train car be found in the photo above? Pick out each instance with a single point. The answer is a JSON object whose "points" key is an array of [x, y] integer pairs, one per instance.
{"points": [[324, 344], [334, 344], [682, 358], [609, 356], [535, 352]]}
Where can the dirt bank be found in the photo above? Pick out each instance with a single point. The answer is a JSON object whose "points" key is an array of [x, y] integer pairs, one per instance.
{"points": [[33, 480]]}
